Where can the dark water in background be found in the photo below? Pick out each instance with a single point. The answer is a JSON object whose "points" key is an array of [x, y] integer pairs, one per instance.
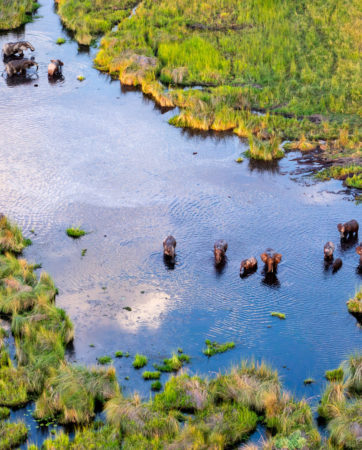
{"points": [[88, 154]]}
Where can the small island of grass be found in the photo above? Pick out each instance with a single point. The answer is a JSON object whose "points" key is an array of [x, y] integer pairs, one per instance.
{"points": [[75, 232]]}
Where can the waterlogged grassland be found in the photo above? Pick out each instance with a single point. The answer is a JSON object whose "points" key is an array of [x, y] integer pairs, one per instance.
{"points": [[296, 61], [191, 412], [90, 18], [14, 13]]}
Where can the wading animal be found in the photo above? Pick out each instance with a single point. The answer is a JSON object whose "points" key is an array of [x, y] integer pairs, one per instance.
{"points": [[328, 251], [337, 265], [348, 229], [248, 266], [271, 260], [169, 246], [19, 66], [16, 48], [55, 68], [220, 248], [359, 252]]}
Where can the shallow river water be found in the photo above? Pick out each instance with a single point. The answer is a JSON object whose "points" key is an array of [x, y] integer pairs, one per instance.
{"points": [[91, 154]]}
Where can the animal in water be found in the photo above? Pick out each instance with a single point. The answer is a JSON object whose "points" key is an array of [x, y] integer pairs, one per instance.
{"points": [[271, 259], [328, 251], [55, 67], [19, 66], [169, 246], [248, 265], [336, 265], [348, 229], [359, 252], [220, 248], [16, 48]]}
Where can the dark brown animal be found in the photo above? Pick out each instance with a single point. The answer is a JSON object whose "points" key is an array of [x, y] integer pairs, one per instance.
{"points": [[248, 265], [19, 66], [13, 48], [348, 229], [169, 246], [359, 252], [271, 260], [328, 250], [55, 68], [337, 265], [220, 248]]}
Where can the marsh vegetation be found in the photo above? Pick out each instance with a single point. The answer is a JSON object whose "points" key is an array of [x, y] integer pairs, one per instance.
{"points": [[14, 13]]}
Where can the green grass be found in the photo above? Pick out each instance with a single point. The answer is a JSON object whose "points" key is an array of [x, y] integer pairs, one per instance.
{"points": [[104, 360], [354, 304], [277, 314], [11, 238], [60, 41], [118, 354], [4, 412], [213, 347], [12, 434], [147, 375], [264, 150], [75, 232], [309, 381], [156, 386], [89, 19], [139, 361], [334, 375], [174, 363], [268, 55], [80, 78], [351, 175], [16, 12]]}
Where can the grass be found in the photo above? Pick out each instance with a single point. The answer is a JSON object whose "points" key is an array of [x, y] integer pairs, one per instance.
{"points": [[4, 412], [277, 314], [104, 360], [354, 305], [213, 347], [139, 361], [118, 354], [75, 232], [11, 238], [264, 150], [12, 434], [335, 374], [309, 381], [89, 19], [60, 41], [249, 56], [341, 405], [147, 375], [80, 78], [174, 363], [156, 386], [15, 13], [351, 175]]}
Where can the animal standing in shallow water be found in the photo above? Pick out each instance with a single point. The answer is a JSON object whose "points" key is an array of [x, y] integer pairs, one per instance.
{"points": [[17, 48], [19, 66], [271, 259], [248, 266], [337, 265], [220, 248], [328, 251], [348, 229], [169, 246], [55, 68]]}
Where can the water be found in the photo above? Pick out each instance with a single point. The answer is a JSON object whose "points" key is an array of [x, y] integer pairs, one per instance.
{"points": [[89, 153]]}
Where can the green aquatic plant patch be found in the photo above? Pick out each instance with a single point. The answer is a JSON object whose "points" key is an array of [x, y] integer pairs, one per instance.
{"points": [[354, 304], [213, 347], [139, 361], [351, 175], [14, 13], [278, 314], [75, 232]]}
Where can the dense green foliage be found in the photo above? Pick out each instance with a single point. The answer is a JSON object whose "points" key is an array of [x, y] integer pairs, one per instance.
{"points": [[87, 18], [296, 61], [352, 175], [354, 304], [14, 13]]}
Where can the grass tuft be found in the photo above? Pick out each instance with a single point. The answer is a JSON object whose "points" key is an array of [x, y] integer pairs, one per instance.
{"points": [[277, 314], [104, 360], [75, 232], [213, 347], [139, 361], [147, 375]]}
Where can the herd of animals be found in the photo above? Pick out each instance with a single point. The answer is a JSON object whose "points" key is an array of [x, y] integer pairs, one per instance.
{"points": [[270, 258], [16, 64]]}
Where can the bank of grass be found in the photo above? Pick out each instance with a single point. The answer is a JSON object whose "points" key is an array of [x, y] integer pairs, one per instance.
{"points": [[11, 238], [351, 175], [354, 305], [12, 434], [14, 13], [341, 406], [269, 56], [89, 19]]}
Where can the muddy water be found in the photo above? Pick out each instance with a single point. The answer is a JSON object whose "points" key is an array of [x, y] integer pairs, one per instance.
{"points": [[87, 153]]}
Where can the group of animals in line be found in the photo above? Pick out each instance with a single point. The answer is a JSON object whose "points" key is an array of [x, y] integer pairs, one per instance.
{"points": [[270, 258], [16, 64]]}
